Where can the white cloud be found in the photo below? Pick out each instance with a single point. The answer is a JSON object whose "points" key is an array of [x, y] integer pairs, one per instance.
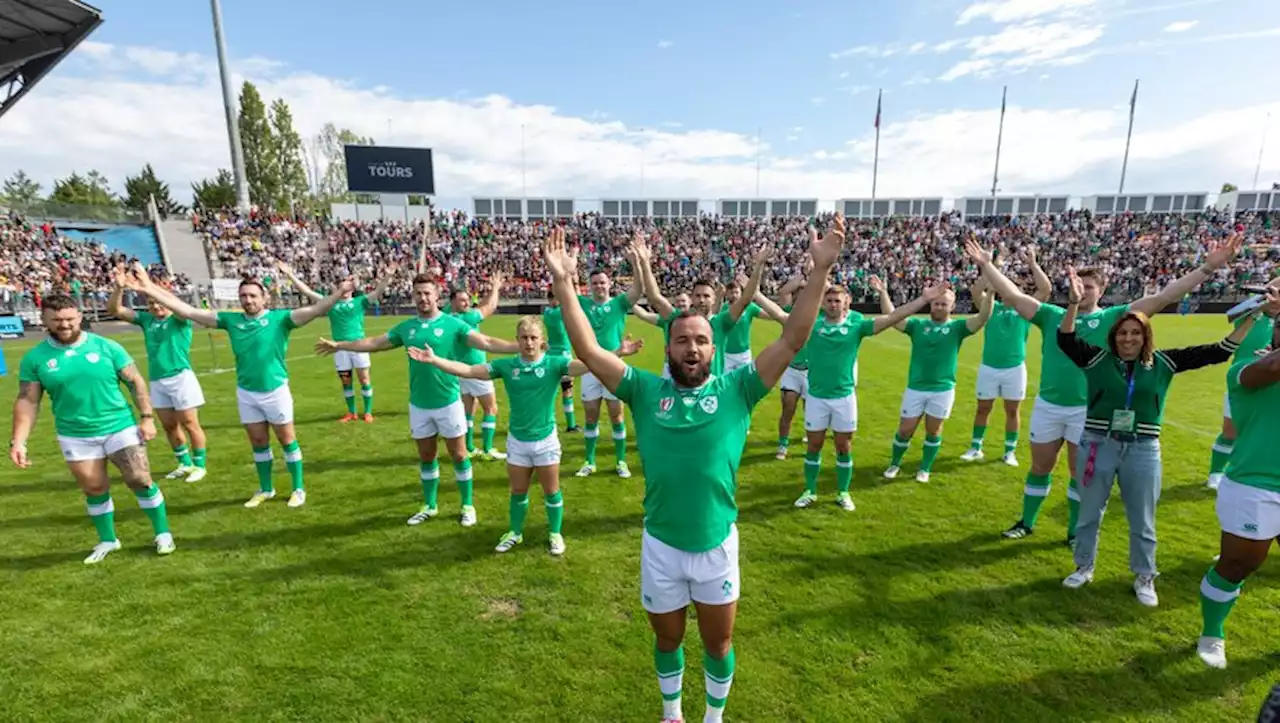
{"points": [[1181, 26], [1021, 46], [664, 44], [966, 67], [672, 124], [843, 75], [917, 47], [855, 89], [798, 129], [793, 138], [818, 100], [947, 46], [175, 121], [1004, 11], [918, 79], [873, 51]]}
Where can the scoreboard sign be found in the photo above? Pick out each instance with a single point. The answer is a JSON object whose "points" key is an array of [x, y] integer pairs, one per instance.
{"points": [[390, 170]]}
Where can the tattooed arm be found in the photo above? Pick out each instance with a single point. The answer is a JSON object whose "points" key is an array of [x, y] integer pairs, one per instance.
{"points": [[132, 378], [25, 408]]}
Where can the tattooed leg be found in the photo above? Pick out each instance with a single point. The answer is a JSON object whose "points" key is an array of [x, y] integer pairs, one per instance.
{"points": [[134, 466]]}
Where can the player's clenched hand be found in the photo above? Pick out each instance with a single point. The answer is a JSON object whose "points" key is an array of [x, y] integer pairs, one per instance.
{"points": [[326, 347], [826, 251], [18, 455], [147, 429], [424, 355]]}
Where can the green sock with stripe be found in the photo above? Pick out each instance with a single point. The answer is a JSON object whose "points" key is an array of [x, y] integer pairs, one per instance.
{"points": [[670, 668], [488, 428], [1217, 596], [471, 435], [979, 431], [517, 510], [1010, 442], [899, 449], [932, 445], [102, 513], [555, 511], [293, 463], [152, 503], [183, 454], [1034, 494], [719, 678], [566, 402], [462, 473], [1221, 454], [262, 459], [590, 438], [349, 396], [429, 475], [812, 468], [198, 457], [784, 442], [366, 393], [620, 443], [844, 472]]}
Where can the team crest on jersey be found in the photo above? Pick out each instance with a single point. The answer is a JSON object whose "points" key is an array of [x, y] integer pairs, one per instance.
{"points": [[709, 404], [666, 404], [92, 357], [413, 333], [262, 321], [515, 373], [52, 364], [539, 372], [844, 330], [946, 330], [1093, 323], [438, 332]]}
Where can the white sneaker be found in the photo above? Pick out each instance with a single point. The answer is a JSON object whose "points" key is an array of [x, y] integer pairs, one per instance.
{"points": [[922, 477], [623, 470], [781, 453], [587, 470], [298, 498], [891, 472], [555, 544], [494, 455], [509, 540], [1213, 651], [423, 515], [845, 502], [258, 498], [468, 516], [197, 474], [100, 552], [1078, 579], [179, 473], [1144, 586], [1214, 480], [1010, 459], [806, 499], [164, 544], [972, 454]]}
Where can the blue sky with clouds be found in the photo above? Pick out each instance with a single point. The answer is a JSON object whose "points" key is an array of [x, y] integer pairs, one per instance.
{"points": [[671, 94]]}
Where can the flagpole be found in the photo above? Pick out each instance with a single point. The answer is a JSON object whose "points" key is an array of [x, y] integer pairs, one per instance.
{"points": [[875, 163], [995, 175], [1133, 104], [757, 162], [1257, 170]]}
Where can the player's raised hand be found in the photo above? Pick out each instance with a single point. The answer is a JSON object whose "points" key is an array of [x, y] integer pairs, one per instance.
{"points": [[763, 256], [630, 345], [1029, 254], [424, 355], [934, 291], [1272, 306], [326, 347], [1223, 253], [826, 251], [1075, 287], [876, 283], [561, 262], [640, 247], [979, 255], [285, 269], [18, 455]]}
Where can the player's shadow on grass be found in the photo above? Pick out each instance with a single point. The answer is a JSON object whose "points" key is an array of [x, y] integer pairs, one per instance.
{"points": [[393, 466], [1084, 693], [42, 561], [22, 488], [122, 515]]}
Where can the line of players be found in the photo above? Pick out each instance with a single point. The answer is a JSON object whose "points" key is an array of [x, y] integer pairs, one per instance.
{"points": [[437, 344]]}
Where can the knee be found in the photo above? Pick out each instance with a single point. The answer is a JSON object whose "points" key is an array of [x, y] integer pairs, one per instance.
{"points": [[844, 446], [345, 378], [814, 444], [667, 643], [718, 647]]}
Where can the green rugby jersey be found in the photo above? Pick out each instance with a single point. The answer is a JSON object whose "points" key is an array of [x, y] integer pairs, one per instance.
{"points": [[834, 349], [346, 318], [533, 390], [935, 353], [1255, 457], [608, 320], [430, 388], [1004, 339], [691, 443], [1061, 381], [260, 344], [738, 340], [801, 359], [168, 343], [557, 335], [82, 383], [472, 318]]}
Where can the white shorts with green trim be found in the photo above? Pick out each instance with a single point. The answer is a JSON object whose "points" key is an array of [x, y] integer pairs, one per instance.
{"points": [[1008, 383], [84, 449], [1249, 512], [179, 392], [449, 421], [938, 405], [1051, 422], [838, 415], [542, 453], [275, 406], [670, 578]]}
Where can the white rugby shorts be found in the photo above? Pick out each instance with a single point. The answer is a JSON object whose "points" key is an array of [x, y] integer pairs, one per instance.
{"points": [[670, 578], [838, 415], [275, 406], [1051, 422], [543, 453], [1008, 383], [345, 361], [594, 389], [938, 405], [1249, 512], [449, 421], [178, 392], [84, 449]]}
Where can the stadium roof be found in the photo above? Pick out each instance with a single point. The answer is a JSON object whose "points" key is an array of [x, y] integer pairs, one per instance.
{"points": [[34, 36]]}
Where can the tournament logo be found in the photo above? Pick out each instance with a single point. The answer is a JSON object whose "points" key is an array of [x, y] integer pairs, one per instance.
{"points": [[52, 364], [709, 404], [666, 404]]}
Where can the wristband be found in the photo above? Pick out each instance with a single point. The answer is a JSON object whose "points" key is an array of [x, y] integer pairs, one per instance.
{"points": [[15, 444], [146, 416]]}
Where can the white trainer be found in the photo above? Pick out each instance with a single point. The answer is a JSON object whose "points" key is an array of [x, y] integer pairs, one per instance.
{"points": [[891, 472], [259, 497], [298, 498], [781, 453], [1144, 586], [624, 472], [1213, 651], [972, 454], [197, 474], [845, 502], [164, 544], [100, 552], [180, 472], [1214, 480], [1078, 579], [922, 477], [1010, 459], [423, 515], [494, 455], [509, 540], [807, 499], [587, 470], [468, 516], [555, 544]]}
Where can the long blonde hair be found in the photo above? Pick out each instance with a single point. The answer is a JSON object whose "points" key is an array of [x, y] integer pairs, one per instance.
{"points": [[532, 323]]}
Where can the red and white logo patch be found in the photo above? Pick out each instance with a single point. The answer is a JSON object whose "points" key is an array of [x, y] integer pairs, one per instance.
{"points": [[666, 404]]}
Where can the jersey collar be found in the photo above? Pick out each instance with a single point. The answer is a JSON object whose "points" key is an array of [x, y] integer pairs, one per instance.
{"points": [[537, 360], [79, 340], [687, 390]]}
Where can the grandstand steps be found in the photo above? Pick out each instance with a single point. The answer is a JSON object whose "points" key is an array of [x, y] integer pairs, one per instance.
{"points": [[185, 250]]}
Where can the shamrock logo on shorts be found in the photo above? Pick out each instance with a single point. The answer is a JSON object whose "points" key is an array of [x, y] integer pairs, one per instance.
{"points": [[727, 587]]}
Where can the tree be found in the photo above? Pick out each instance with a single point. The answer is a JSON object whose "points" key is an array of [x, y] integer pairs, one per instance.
{"points": [[215, 193], [286, 157], [331, 185], [256, 140], [1229, 188], [138, 189], [88, 190], [20, 190]]}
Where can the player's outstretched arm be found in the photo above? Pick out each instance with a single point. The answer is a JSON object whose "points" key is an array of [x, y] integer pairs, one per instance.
{"points": [[1188, 358], [897, 317], [645, 315], [773, 361], [638, 283], [752, 287], [388, 278], [449, 366], [986, 300], [643, 262], [886, 304], [629, 347], [115, 307], [308, 314], [1185, 284], [139, 280], [770, 309], [326, 347], [1026, 306], [563, 265], [493, 345], [25, 408], [1044, 287], [490, 303], [302, 288]]}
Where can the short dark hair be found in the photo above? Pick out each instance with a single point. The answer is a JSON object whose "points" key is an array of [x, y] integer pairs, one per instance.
{"points": [[598, 270], [1095, 274], [459, 290], [704, 282], [423, 279], [251, 282], [58, 302]]}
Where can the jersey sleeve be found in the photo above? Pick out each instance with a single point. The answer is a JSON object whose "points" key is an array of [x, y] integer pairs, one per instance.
{"points": [[29, 369], [630, 389], [749, 385], [396, 336], [752, 311], [285, 317], [866, 327], [462, 333], [472, 317], [142, 318], [560, 365], [119, 356], [1048, 317], [621, 305], [1111, 315], [225, 319], [960, 327], [912, 324], [498, 368]]}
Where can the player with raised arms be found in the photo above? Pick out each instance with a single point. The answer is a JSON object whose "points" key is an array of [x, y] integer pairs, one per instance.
{"points": [[1061, 406], [346, 323], [82, 373], [260, 341], [558, 345], [478, 392], [435, 405], [680, 303], [176, 395], [691, 430]]}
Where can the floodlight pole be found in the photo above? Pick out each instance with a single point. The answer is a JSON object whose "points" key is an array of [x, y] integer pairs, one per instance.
{"points": [[229, 104]]}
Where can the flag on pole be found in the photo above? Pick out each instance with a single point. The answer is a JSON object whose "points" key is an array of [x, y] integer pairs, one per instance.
{"points": [[1003, 97], [879, 95]]}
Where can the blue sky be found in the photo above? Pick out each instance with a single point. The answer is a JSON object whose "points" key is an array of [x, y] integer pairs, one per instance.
{"points": [[674, 92]]}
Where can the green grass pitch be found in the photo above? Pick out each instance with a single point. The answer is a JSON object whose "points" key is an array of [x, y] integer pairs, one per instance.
{"points": [[910, 608]]}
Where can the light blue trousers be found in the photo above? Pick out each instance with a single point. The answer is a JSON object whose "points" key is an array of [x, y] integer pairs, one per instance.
{"points": [[1103, 461]]}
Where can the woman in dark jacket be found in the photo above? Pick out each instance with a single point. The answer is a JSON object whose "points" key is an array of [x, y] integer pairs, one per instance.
{"points": [[1128, 385]]}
